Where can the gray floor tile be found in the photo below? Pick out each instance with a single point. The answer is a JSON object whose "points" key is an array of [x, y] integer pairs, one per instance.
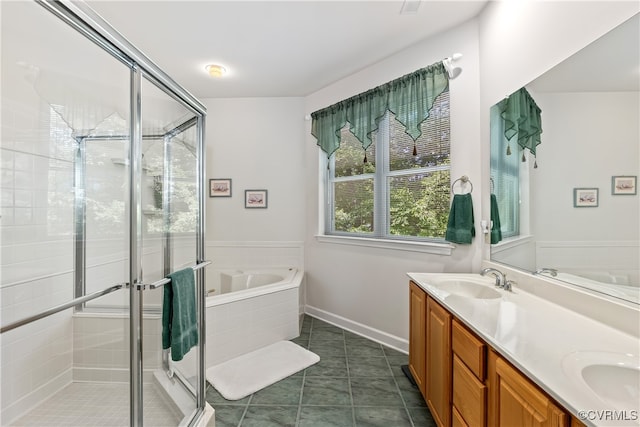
{"points": [[228, 416], [285, 392], [270, 416], [326, 416], [389, 352], [321, 324], [326, 391], [357, 382], [364, 348], [328, 366], [364, 366], [421, 417], [375, 392], [381, 417], [327, 347], [326, 334]]}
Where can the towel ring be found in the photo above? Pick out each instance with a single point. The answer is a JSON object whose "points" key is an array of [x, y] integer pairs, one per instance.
{"points": [[465, 179], [493, 184]]}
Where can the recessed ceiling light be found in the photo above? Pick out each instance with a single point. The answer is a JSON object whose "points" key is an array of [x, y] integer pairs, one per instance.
{"points": [[216, 70]]}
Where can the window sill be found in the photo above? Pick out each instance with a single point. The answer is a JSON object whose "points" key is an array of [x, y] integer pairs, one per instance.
{"points": [[511, 243], [399, 245]]}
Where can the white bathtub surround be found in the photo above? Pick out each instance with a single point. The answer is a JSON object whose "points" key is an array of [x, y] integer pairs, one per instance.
{"points": [[244, 375], [539, 335], [242, 321]]}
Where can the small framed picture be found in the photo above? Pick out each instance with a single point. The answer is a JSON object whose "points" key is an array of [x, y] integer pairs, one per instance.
{"points": [[585, 197], [220, 187], [255, 199], [624, 185]]}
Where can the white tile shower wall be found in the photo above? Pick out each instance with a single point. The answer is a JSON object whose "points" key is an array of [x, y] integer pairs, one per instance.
{"points": [[36, 362], [242, 326], [36, 232], [101, 347]]}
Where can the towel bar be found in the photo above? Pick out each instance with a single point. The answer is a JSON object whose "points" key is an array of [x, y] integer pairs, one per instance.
{"points": [[164, 281], [464, 179], [62, 307]]}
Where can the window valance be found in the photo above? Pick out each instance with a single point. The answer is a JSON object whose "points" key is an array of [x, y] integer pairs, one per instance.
{"points": [[521, 117], [409, 97]]}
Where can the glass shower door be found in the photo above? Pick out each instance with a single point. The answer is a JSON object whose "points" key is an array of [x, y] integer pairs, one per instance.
{"points": [[170, 206], [100, 200]]}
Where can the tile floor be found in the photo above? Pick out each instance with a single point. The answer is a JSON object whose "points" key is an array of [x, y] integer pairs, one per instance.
{"points": [[357, 383], [99, 404]]}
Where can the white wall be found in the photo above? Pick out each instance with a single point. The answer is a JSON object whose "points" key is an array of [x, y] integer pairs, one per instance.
{"points": [[366, 289], [590, 137], [511, 43], [259, 144], [521, 40]]}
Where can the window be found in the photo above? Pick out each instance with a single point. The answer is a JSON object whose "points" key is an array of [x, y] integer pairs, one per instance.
{"points": [[394, 194], [505, 176]]}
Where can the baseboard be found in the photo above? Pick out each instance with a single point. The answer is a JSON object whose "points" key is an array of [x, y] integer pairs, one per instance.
{"points": [[376, 335]]}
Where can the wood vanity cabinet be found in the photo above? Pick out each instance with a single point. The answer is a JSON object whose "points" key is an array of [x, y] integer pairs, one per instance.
{"points": [[516, 401], [417, 335], [438, 369], [469, 402], [464, 381]]}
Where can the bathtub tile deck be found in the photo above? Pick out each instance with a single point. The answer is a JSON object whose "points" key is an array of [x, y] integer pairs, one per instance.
{"points": [[357, 383]]}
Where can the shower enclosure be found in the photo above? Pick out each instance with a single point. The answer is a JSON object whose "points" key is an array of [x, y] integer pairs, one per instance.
{"points": [[102, 166]]}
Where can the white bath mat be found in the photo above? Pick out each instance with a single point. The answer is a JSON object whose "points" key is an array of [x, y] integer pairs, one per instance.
{"points": [[246, 374]]}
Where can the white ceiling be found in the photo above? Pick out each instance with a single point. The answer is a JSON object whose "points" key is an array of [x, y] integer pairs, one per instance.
{"points": [[275, 48]]}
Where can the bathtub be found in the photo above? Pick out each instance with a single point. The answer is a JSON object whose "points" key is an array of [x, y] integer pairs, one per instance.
{"points": [[247, 309], [623, 290]]}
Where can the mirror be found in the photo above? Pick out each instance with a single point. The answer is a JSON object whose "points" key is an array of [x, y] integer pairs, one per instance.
{"points": [[577, 213]]}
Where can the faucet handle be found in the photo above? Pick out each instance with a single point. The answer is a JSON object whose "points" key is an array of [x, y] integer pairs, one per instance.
{"points": [[508, 284]]}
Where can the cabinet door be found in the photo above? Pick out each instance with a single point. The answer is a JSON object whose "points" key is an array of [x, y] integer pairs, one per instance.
{"points": [[417, 334], [438, 386], [469, 395], [516, 401]]}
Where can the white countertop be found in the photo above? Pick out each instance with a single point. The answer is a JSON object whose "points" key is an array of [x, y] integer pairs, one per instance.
{"points": [[540, 338]]}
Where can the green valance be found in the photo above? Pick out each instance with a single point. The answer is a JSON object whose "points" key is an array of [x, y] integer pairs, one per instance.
{"points": [[521, 117], [409, 97]]}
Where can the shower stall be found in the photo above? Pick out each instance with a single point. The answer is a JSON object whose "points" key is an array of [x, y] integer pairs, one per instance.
{"points": [[102, 196]]}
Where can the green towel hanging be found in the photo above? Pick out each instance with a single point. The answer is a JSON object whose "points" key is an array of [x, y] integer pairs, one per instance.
{"points": [[179, 320], [496, 232], [460, 227]]}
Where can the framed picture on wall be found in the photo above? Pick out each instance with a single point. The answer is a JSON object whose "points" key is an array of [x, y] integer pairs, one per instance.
{"points": [[585, 197], [255, 199], [220, 187], [624, 185]]}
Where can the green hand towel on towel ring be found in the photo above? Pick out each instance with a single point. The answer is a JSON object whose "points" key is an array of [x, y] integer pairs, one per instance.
{"points": [[460, 226]]}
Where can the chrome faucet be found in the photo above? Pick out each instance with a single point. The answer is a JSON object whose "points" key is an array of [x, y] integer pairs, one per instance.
{"points": [[499, 275], [552, 271]]}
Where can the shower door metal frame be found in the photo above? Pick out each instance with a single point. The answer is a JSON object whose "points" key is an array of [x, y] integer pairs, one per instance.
{"points": [[82, 18]]}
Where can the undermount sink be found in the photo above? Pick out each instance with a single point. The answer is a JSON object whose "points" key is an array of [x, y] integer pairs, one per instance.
{"points": [[469, 286], [613, 377]]}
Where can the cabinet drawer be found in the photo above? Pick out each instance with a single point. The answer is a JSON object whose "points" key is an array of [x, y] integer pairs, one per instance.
{"points": [[469, 395], [469, 349]]}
